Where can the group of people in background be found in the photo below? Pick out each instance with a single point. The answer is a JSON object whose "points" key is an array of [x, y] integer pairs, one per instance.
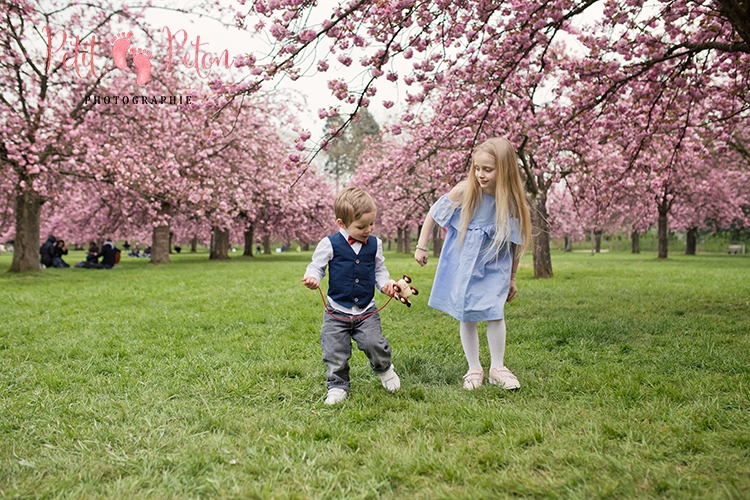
{"points": [[52, 251], [136, 250], [96, 258]]}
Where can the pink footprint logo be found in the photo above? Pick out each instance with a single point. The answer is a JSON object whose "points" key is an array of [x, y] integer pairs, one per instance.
{"points": [[120, 46], [142, 62]]}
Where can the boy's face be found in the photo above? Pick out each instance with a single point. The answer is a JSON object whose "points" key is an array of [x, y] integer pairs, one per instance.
{"points": [[360, 229]]}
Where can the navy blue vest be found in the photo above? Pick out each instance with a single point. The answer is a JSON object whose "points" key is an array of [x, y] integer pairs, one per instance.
{"points": [[351, 280]]}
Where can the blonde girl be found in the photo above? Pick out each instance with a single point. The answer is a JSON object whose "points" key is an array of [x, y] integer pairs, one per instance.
{"points": [[489, 228]]}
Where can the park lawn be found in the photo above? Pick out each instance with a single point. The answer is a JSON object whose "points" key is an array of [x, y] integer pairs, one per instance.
{"points": [[204, 379]]}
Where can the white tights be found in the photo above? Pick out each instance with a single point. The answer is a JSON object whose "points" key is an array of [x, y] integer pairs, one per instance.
{"points": [[495, 338]]}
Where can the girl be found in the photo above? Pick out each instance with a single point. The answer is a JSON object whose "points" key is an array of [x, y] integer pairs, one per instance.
{"points": [[489, 228]]}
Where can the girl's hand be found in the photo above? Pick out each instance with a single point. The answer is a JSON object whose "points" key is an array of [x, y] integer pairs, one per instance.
{"points": [[512, 291], [310, 282], [421, 257]]}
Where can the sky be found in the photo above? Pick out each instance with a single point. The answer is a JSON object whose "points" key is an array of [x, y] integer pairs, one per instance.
{"points": [[312, 88]]}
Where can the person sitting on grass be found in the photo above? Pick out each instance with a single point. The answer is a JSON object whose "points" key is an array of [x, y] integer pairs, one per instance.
{"points": [[108, 254], [135, 252], [356, 266], [47, 251], [60, 249], [93, 252]]}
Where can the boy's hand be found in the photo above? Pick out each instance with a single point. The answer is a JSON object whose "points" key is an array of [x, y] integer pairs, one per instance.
{"points": [[310, 282], [388, 289]]}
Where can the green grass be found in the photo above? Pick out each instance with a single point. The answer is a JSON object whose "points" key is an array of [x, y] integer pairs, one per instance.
{"points": [[203, 380]]}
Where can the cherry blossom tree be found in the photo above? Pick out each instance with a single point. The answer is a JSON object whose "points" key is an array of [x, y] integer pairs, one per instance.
{"points": [[50, 65], [194, 163], [564, 216], [714, 197]]}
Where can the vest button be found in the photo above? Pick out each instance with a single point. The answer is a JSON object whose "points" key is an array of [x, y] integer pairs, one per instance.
{"points": [[356, 299], [356, 261], [356, 280]]}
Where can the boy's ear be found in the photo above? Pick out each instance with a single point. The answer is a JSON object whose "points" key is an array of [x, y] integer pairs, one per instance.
{"points": [[341, 223]]}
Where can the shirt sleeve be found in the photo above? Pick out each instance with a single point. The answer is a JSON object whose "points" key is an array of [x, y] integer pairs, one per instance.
{"points": [[381, 273], [442, 211], [321, 257]]}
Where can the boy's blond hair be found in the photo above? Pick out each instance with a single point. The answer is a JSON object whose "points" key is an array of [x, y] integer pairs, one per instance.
{"points": [[351, 203]]}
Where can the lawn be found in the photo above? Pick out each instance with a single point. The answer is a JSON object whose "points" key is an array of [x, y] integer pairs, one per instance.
{"points": [[203, 379]]}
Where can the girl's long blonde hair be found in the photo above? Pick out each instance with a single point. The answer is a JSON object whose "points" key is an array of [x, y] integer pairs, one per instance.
{"points": [[510, 198]]}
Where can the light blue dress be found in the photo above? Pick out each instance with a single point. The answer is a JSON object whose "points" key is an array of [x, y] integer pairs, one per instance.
{"points": [[471, 283]]}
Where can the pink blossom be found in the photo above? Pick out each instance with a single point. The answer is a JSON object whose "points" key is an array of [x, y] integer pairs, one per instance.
{"points": [[308, 35]]}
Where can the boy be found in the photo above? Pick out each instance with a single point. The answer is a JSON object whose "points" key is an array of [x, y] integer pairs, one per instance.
{"points": [[356, 266]]}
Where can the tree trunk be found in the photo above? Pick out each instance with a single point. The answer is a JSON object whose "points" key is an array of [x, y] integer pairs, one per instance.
{"points": [[407, 241], [160, 245], [249, 242], [568, 245], [663, 236], [194, 244], [598, 240], [305, 247], [437, 241], [692, 241], [267, 245], [171, 235], [399, 240], [635, 242], [540, 225], [26, 246], [219, 244]]}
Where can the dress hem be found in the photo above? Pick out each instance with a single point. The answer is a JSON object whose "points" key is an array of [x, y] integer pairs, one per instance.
{"points": [[473, 318]]}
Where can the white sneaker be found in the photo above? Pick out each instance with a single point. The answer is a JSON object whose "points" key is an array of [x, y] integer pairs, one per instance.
{"points": [[504, 378], [335, 395], [390, 380]]}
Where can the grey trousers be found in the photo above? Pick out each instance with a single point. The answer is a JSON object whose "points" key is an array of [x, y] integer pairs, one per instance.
{"points": [[336, 342]]}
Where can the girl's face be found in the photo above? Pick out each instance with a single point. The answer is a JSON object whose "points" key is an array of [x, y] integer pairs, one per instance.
{"points": [[360, 229], [485, 171]]}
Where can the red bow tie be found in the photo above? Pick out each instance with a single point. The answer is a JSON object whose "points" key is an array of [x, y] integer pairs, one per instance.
{"points": [[352, 241]]}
